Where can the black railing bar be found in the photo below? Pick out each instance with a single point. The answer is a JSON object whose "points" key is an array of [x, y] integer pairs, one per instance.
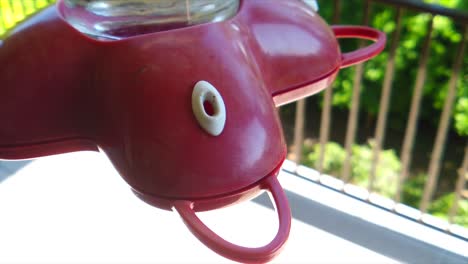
{"points": [[326, 118], [418, 5], [461, 181], [353, 117], [411, 128], [336, 11], [299, 124], [385, 99], [441, 138]]}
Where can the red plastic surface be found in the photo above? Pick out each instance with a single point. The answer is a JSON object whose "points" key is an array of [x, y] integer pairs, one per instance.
{"points": [[300, 91], [210, 203], [360, 32], [63, 91], [235, 252]]}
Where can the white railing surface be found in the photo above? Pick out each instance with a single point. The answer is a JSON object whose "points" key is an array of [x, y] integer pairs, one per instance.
{"points": [[55, 210]]}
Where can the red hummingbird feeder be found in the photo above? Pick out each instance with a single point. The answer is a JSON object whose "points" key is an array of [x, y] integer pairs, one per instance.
{"points": [[183, 105]]}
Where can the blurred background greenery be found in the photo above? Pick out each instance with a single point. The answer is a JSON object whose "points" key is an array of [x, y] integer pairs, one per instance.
{"points": [[12, 12], [446, 37]]}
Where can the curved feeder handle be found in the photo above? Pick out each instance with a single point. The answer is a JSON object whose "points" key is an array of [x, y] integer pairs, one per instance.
{"points": [[235, 252], [360, 32]]}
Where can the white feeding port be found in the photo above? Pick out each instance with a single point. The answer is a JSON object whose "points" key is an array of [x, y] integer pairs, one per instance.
{"points": [[208, 108]]}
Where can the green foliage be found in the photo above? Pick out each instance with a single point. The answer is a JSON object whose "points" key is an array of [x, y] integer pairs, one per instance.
{"points": [[413, 190], [12, 12], [333, 160], [387, 170], [386, 176], [442, 206], [446, 37], [461, 116]]}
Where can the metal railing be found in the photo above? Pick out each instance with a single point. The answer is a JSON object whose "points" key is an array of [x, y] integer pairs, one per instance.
{"points": [[400, 6]]}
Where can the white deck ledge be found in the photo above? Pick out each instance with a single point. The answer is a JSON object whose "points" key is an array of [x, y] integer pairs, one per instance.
{"points": [[75, 208]]}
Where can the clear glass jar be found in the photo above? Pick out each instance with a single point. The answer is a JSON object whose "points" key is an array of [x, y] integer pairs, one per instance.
{"points": [[116, 19], [313, 4]]}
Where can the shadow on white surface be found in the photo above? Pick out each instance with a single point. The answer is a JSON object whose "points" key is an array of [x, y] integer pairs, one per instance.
{"points": [[9, 168]]}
